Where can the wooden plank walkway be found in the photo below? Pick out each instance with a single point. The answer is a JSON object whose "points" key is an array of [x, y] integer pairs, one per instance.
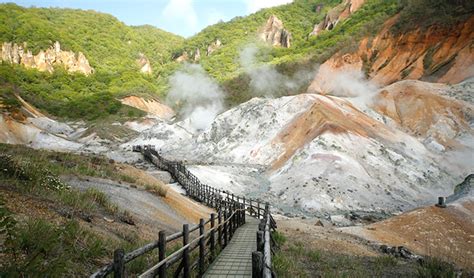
{"points": [[236, 259]]}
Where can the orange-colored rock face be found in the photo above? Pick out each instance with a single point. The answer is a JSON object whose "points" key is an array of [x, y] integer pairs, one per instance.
{"points": [[437, 55], [327, 114], [414, 106], [150, 106]]}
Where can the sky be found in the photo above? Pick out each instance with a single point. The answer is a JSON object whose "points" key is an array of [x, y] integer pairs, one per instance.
{"points": [[182, 17]]}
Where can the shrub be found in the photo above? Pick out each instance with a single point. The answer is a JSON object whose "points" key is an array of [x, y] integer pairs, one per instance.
{"points": [[30, 174]]}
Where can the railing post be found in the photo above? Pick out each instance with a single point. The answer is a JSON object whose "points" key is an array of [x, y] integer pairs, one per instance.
{"points": [[201, 247], [237, 215], [162, 253], [260, 240], [231, 222], [241, 218], [119, 263], [257, 264], [226, 224], [258, 210], [186, 251], [251, 208], [219, 229], [243, 215], [213, 236], [267, 254], [236, 218]]}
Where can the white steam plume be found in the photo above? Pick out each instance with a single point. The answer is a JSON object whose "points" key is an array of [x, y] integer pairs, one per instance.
{"points": [[265, 80], [350, 83], [199, 97]]}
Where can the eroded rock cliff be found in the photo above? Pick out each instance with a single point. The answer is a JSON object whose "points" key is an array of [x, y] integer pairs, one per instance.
{"points": [[45, 60], [438, 54], [213, 46], [144, 64], [274, 33], [340, 12]]}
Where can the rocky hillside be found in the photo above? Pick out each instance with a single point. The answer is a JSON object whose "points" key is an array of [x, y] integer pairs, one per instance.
{"points": [[437, 54], [321, 154], [290, 40], [45, 60]]}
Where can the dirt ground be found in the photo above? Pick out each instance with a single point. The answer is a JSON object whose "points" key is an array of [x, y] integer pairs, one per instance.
{"points": [[446, 233], [187, 208], [324, 238]]}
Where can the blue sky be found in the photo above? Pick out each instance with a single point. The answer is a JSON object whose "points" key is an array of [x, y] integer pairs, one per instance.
{"points": [[183, 17]]}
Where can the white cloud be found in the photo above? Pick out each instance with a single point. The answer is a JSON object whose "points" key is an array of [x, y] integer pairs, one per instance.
{"points": [[181, 12], [255, 5]]}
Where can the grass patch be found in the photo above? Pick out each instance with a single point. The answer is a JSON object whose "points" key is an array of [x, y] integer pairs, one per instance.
{"points": [[386, 260], [434, 267], [300, 259], [156, 189], [36, 172], [39, 248], [279, 238], [39, 162]]}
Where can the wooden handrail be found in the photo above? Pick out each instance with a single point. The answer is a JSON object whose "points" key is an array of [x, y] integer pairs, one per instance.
{"points": [[231, 206]]}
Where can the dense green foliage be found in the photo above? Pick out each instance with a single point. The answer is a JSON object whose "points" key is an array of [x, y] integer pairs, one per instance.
{"points": [[70, 96], [426, 13], [111, 47], [298, 17]]}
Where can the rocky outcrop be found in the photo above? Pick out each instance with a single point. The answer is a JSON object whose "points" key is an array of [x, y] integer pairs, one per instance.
{"points": [[45, 60], [151, 106], [420, 109], [184, 57], [197, 55], [335, 15], [274, 33], [213, 47], [438, 54], [144, 64]]}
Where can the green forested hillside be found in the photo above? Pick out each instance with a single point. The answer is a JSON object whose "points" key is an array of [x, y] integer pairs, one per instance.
{"points": [[298, 18], [110, 46], [113, 47]]}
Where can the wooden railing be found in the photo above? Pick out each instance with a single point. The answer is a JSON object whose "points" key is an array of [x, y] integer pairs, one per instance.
{"points": [[231, 210], [262, 258]]}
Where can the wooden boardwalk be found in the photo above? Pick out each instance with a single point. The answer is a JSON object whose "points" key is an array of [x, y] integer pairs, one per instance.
{"points": [[236, 258]]}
